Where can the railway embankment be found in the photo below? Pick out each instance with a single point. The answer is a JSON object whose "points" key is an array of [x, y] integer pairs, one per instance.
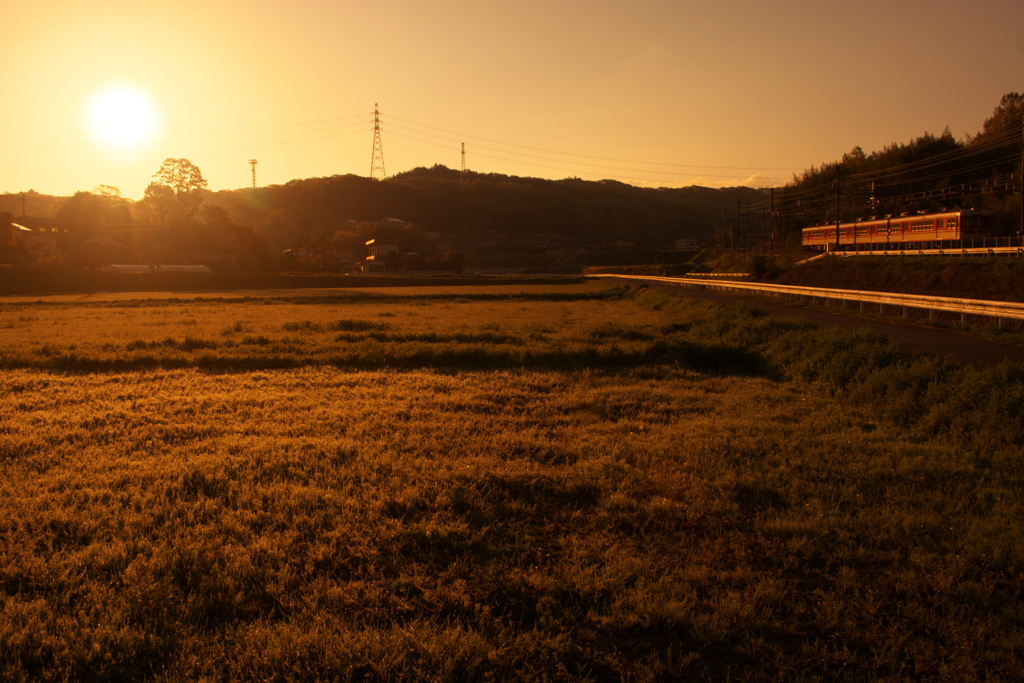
{"points": [[999, 279]]}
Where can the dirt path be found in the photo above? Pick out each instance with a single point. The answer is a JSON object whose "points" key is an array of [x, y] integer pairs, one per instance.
{"points": [[911, 337]]}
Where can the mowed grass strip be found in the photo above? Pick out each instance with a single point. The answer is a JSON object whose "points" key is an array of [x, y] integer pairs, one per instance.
{"points": [[554, 330], [827, 507]]}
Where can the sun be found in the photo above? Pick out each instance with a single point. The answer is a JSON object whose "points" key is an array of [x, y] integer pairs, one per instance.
{"points": [[122, 117]]}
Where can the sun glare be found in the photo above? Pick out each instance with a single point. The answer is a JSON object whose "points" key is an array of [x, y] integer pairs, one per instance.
{"points": [[122, 117]]}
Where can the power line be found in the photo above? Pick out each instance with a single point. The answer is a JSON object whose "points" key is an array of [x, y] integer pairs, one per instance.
{"points": [[586, 156], [574, 167]]}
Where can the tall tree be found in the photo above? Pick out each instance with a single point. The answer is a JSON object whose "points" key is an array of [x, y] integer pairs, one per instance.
{"points": [[158, 207], [186, 180], [1006, 117]]}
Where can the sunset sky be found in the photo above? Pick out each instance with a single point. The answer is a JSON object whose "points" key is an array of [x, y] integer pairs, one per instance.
{"points": [[651, 92]]}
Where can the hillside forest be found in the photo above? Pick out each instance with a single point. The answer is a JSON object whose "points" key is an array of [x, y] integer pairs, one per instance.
{"points": [[493, 219]]}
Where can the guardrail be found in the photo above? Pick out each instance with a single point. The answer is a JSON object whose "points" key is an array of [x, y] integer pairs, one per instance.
{"points": [[812, 259], [1000, 310], [968, 251]]}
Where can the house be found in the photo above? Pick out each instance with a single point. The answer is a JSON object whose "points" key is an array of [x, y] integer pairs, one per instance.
{"points": [[39, 237], [383, 255], [687, 244], [376, 251], [103, 250]]}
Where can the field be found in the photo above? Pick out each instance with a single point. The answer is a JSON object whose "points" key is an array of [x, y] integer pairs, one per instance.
{"points": [[565, 483]]}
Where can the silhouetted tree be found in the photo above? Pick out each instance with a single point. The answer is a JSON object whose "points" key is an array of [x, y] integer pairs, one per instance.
{"points": [[220, 233], [454, 260], [87, 211], [185, 180], [106, 191], [6, 236], [1007, 117], [158, 206]]}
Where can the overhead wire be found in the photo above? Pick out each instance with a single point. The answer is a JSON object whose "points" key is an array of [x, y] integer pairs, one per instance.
{"points": [[590, 156], [570, 162], [891, 174], [575, 166], [505, 159]]}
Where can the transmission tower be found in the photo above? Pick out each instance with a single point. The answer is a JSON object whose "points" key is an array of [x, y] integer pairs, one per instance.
{"points": [[377, 164], [253, 162]]}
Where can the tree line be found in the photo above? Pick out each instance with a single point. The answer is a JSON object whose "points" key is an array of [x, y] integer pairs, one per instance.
{"points": [[179, 217], [348, 208], [930, 173], [170, 224]]}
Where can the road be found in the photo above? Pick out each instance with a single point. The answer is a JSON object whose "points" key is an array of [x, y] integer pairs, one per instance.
{"points": [[910, 336]]}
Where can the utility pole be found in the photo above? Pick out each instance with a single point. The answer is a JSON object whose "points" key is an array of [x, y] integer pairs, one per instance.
{"points": [[760, 232], [253, 162], [463, 176], [1020, 235], [738, 229], [377, 163], [725, 224], [23, 205], [837, 207], [305, 238], [771, 224]]}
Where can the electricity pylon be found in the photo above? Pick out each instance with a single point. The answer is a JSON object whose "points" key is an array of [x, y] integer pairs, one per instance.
{"points": [[377, 163]]}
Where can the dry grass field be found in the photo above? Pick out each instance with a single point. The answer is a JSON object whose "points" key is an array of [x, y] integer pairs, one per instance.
{"points": [[572, 483]]}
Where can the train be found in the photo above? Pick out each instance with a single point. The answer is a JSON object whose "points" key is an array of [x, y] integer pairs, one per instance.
{"points": [[943, 230]]}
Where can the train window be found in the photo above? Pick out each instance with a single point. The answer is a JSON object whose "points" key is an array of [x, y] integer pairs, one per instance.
{"points": [[951, 222]]}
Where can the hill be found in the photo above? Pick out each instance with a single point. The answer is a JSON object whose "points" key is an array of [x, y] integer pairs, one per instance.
{"points": [[30, 203], [441, 200]]}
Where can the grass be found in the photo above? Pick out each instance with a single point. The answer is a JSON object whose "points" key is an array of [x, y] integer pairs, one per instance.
{"points": [[610, 485]]}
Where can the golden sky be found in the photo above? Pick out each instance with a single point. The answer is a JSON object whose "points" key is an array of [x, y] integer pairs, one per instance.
{"points": [[651, 92]]}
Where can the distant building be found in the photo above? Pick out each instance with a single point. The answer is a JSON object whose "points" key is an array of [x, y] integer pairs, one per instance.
{"points": [[135, 268], [103, 250], [383, 255], [687, 244], [376, 251], [39, 237]]}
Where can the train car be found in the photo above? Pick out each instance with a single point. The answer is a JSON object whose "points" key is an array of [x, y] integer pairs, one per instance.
{"points": [[944, 230]]}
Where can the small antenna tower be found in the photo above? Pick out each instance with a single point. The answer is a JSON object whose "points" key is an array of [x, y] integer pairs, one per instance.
{"points": [[377, 163], [253, 162], [463, 176]]}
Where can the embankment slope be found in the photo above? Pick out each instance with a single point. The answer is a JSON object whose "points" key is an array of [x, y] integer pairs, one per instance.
{"points": [[1000, 279]]}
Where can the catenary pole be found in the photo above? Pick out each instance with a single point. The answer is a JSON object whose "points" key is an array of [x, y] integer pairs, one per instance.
{"points": [[837, 207]]}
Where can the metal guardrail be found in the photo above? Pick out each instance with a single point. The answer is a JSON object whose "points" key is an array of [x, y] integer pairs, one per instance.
{"points": [[968, 251], [1000, 310]]}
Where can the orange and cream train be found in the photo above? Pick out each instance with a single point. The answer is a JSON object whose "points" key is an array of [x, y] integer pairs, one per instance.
{"points": [[943, 230]]}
